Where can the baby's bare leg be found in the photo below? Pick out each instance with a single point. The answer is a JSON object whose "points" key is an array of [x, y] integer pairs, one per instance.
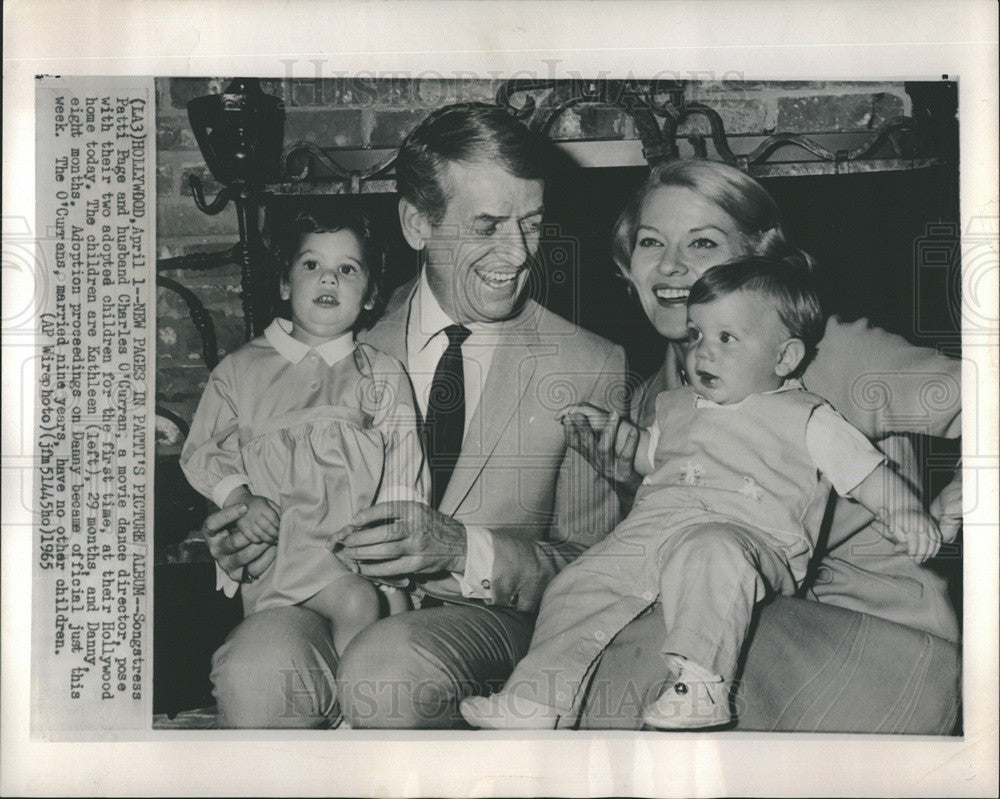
{"points": [[350, 603]]}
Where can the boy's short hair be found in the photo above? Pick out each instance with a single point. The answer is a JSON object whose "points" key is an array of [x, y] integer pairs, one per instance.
{"points": [[331, 221], [785, 281], [469, 133]]}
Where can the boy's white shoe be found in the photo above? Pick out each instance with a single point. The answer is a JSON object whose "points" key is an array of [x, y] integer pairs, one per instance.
{"points": [[506, 711], [696, 699]]}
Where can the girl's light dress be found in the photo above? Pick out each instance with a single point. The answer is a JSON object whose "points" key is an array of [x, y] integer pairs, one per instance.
{"points": [[323, 432]]}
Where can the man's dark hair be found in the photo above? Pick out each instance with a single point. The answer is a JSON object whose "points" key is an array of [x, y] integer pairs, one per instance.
{"points": [[785, 281], [322, 220], [464, 132]]}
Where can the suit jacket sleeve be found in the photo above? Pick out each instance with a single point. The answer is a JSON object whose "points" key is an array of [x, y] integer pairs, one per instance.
{"points": [[586, 510]]}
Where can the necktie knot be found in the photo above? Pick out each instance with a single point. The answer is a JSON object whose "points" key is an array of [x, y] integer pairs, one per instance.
{"points": [[457, 334]]}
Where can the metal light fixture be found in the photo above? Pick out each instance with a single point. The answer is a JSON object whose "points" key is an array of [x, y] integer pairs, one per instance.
{"points": [[240, 133]]}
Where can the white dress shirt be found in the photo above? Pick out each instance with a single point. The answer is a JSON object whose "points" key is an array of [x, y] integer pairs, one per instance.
{"points": [[425, 344]]}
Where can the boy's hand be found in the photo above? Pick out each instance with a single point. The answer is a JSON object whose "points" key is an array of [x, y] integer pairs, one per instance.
{"points": [[260, 522], [914, 531], [604, 438]]}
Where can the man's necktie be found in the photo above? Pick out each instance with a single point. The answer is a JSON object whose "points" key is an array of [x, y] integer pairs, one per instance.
{"points": [[444, 425]]}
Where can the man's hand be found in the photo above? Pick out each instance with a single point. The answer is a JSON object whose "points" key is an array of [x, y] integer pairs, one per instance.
{"points": [[394, 539], [231, 549], [604, 438]]}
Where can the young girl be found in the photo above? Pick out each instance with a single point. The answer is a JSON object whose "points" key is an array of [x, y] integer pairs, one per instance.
{"points": [[728, 511], [305, 427]]}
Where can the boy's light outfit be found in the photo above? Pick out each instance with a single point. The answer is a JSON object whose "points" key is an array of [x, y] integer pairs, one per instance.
{"points": [[320, 431], [729, 512]]}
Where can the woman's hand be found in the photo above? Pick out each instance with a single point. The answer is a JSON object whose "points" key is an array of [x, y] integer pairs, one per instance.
{"points": [[239, 557], [946, 508], [605, 439]]}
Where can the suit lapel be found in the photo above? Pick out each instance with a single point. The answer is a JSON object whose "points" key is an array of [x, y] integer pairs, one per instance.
{"points": [[389, 333], [511, 372]]}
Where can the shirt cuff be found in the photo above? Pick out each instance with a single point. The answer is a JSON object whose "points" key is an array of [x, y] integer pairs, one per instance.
{"points": [[225, 487], [399, 493], [476, 583], [225, 583]]}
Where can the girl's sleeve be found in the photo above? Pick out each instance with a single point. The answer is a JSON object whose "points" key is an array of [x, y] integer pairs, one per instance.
{"points": [[404, 474], [211, 458]]}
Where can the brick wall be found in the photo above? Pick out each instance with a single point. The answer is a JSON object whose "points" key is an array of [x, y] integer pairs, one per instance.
{"points": [[370, 113]]}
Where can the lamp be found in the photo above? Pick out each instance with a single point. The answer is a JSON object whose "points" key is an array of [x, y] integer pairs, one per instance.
{"points": [[240, 133]]}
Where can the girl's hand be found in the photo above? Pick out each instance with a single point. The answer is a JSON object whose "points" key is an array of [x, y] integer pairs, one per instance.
{"points": [[604, 438], [260, 522], [238, 557]]}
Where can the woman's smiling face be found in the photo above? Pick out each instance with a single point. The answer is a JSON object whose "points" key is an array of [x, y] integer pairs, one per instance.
{"points": [[679, 237]]}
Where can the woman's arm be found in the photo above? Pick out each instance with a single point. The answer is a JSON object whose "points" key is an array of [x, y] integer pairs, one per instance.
{"points": [[882, 384]]}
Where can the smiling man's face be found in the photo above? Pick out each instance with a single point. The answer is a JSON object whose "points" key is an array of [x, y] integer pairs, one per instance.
{"points": [[479, 256]]}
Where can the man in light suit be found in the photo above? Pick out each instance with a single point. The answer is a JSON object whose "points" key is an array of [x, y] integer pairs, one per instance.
{"points": [[508, 512]]}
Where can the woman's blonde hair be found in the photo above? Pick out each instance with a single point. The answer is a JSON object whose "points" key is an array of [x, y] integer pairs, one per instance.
{"points": [[747, 202]]}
